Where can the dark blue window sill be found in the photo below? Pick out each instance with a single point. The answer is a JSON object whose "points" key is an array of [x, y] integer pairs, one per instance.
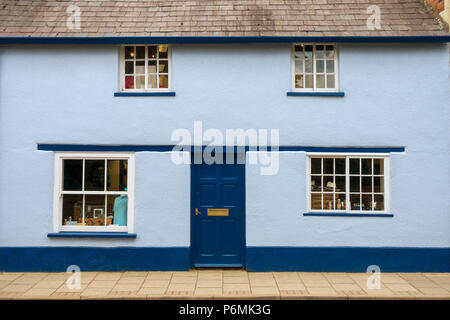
{"points": [[91, 235], [332, 214], [144, 94], [315, 94]]}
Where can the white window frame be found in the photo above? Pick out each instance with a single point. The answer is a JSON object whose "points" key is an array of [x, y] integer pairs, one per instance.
{"points": [[348, 156], [58, 192], [122, 69], [314, 88]]}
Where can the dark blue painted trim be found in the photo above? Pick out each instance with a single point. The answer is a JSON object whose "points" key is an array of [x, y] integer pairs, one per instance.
{"points": [[144, 94], [91, 235], [57, 259], [348, 259], [166, 148], [349, 215], [199, 40], [315, 94]]}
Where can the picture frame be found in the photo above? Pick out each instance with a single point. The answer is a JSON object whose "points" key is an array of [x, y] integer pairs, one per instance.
{"points": [[98, 212]]}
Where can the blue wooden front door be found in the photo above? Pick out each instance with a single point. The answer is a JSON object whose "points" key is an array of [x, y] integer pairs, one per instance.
{"points": [[218, 223]]}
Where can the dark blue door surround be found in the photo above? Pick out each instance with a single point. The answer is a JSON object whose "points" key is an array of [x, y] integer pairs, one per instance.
{"points": [[218, 215]]}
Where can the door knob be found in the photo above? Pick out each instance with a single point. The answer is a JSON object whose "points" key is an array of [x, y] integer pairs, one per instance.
{"points": [[197, 212]]}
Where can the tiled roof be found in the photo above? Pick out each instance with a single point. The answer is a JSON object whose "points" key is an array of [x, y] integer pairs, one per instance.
{"points": [[295, 18]]}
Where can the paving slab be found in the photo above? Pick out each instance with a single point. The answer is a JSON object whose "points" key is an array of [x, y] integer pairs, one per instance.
{"points": [[224, 284]]}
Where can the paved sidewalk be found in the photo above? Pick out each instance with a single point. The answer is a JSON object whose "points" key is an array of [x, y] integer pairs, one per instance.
{"points": [[224, 284]]}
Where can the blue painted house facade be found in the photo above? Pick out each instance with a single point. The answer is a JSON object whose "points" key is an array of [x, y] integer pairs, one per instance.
{"points": [[338, 161]]}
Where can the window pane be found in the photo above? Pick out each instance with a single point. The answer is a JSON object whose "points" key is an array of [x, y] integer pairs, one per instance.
{"points": [[328, 203], [117, 175], [355, 202], [354, 184], [316, 183], [129, 67], [340, 165], [164, 66], [366, 184], [162, 49], [152, 81], [366, 166], [308, 52], [163, 81], [298, 66], [308, 66], [316, 201], [299, 81], [320, 66], [378, 166], [320, 81], [316, 165], [129, 82], [140, 82], [340, 201], [319, 52], [328, 183], [309, 81], [354, 166], [378, 184], [120, 207], [152, 52], [94, 178], [328, 165], [379, 202], [94, 210], [140, 52], [330, 81], [140, 67], [330, 66], [330, 52], [129, 52], [152, 66], [299, 52], [340, 184], [110, 208], [72, 175], [367, 202], [72, 210]]}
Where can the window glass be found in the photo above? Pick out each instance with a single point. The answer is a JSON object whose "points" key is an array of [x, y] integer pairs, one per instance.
{"points": [[72, 175], [94, 177], [117, 175], [361, 187]]}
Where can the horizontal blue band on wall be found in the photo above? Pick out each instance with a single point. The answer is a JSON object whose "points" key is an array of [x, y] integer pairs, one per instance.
{"points": [[347, 259], [218, 39], [144, 94], [167, 148], [57, 259], [92, 235], [349, 215], [315, 94]]}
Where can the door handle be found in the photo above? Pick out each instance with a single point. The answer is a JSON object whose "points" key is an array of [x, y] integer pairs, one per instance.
{"points": [[197, 212]]}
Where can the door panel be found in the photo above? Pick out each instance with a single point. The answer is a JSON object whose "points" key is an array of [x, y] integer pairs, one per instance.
{"points": [[218, 236]]}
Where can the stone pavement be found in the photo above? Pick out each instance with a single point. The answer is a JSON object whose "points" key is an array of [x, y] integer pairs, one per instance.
{"points": [[224, 284]]}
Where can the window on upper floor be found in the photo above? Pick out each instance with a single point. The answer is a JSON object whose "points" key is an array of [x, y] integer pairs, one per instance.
{"points": [[314, 68], [93, 192], [145, 68], [348, 184]]}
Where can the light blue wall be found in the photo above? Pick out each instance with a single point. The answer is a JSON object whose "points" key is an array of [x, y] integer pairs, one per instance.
{"points": [[396, 95]]}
